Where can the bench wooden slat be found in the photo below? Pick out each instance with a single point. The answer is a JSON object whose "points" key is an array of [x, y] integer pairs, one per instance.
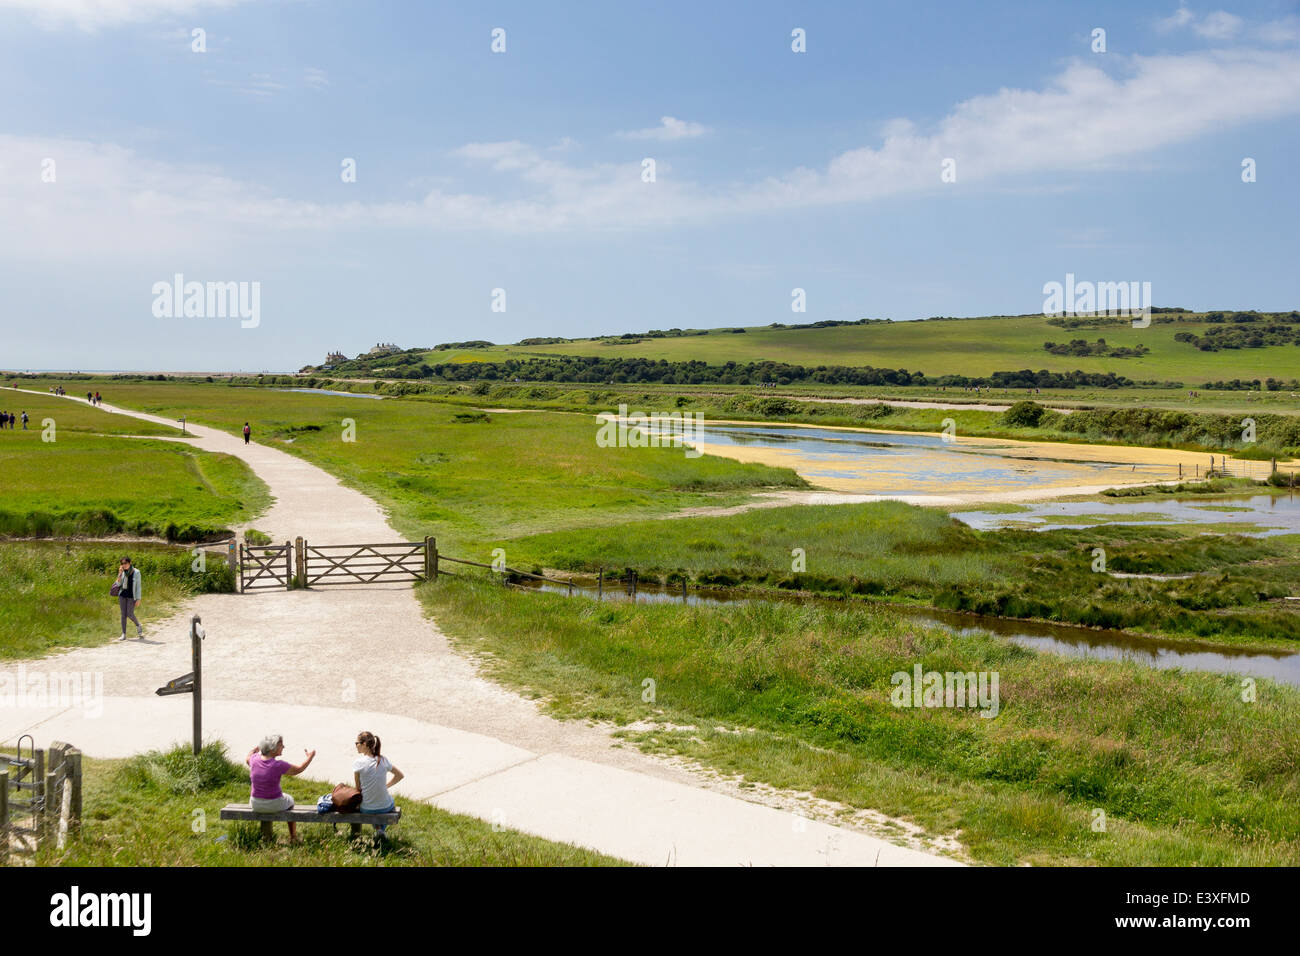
{"points": [[305, 813]]}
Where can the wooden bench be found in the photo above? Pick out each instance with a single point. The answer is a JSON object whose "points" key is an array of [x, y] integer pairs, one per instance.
{"points": [[306, 813]]}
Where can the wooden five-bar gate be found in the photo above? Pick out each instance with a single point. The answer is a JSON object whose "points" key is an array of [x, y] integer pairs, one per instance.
{"points": [[303, 565], [265, 566], [361, 563]]}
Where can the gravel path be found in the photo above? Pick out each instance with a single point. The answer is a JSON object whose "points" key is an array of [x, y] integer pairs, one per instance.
{"points": [[324, 661]]}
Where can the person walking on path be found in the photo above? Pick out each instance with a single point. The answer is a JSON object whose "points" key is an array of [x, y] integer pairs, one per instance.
{"points": [[247, 431], [128, 596], [371, 770], [264, 772]]}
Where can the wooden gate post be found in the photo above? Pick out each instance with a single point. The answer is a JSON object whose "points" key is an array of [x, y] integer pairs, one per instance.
{"points": [[288, 571], [241, 567], [4, 815], [38, 794], [300, 557], [196, 656], [74, 777], [431, 556], [49, 808]]}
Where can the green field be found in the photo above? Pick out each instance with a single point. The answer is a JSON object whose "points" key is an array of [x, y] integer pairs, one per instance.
{"points": [[92, 479], [795, 694], [798, 697], [468, 478], [974, 347]]}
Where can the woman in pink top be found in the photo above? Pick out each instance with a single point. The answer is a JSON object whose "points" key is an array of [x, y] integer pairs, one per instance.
{"points": [[265, 770]]}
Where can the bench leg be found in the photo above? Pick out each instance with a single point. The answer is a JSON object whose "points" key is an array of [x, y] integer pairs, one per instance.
{"points": [[356, 829], [267, 833]]}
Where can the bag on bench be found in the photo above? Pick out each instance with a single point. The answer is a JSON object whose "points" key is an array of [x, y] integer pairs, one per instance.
{"points": [[346, 799]]}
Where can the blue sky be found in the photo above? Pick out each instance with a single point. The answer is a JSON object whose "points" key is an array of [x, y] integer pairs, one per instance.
{"points": [[522, 170]]}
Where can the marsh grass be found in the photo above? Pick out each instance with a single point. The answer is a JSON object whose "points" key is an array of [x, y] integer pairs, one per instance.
{"points": [[893, 551], [798, 697]]}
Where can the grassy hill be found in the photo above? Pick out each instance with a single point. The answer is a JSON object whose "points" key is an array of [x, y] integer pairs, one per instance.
{"points": [[974, 346]]}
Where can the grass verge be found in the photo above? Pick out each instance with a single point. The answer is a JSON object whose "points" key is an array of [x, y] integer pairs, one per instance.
{"points": [[161, 809], [56, 595]]}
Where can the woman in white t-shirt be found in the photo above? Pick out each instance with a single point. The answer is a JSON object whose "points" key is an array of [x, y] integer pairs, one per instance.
{"points": [[371, 770]]}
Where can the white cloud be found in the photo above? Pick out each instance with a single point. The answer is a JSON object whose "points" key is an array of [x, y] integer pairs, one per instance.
{"points": [[315, 78], [1085, 119], [1180, 18], [1219, 25], [669, 128], [90, 15]]}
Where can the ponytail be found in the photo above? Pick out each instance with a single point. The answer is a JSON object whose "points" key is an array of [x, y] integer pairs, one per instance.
{"points": [[370, 742]]}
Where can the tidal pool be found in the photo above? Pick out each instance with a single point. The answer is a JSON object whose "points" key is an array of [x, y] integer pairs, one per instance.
{"points": [[912, 465], [1258, 515]]}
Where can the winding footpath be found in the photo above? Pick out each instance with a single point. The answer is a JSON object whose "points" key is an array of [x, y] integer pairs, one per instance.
{"points": [[320, 665]]}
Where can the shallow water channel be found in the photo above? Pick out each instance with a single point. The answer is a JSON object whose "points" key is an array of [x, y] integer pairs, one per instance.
{"points": [[1280, 665], [326, 391]]}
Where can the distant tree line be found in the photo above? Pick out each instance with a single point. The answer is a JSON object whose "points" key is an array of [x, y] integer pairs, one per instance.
{"points": [[600, 370]]}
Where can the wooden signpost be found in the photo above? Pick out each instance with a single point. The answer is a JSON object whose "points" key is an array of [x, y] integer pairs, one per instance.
{"points": [[191, 683]]}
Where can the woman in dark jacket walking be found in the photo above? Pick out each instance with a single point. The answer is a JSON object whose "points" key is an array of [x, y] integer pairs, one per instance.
{"points": [[128, 596]]}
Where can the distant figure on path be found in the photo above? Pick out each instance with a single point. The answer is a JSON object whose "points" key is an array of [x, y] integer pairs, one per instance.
{"points": [[371, 770], [98, 399], [247, 432], [24, 421], [90, 398], [128, 596], [265, 771]]}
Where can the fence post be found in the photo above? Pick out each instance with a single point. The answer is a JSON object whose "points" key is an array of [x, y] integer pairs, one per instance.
{"points": [[433, 544], [299, 560], [49, 808], [38, 794], [288, 571], [230, 554], [74, 759], [196, 656], [4, 815], [241, 567], [600, 584]]}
